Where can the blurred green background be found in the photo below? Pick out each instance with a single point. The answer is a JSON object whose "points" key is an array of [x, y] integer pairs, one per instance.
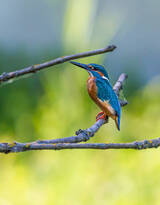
{"points": [[54, 103]]}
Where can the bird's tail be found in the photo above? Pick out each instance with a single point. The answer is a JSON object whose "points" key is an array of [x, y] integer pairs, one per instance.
{"points": [[117, 121]]}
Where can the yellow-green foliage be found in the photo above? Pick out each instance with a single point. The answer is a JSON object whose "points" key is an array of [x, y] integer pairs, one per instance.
{"points": [[85, 176]]}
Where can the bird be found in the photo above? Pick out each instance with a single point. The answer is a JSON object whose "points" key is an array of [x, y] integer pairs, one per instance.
{"points": [[101, 92]]}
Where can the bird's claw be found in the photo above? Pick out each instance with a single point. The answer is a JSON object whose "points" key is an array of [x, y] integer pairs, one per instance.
{"points": [[101, 115]]}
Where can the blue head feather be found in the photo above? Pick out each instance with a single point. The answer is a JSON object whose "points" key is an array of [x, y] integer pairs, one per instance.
{"points": [[99, 68]]}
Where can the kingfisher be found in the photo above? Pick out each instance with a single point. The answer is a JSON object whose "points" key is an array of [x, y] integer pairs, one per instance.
{"points": [[101, 92]]}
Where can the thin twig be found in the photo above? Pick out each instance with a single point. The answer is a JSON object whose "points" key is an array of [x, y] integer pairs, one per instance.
{"points": [[34, 68], [119, 84], [21, 147]]}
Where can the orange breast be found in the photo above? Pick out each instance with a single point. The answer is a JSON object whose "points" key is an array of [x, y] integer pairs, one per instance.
{"points": [[92, 91], [92, 88]]}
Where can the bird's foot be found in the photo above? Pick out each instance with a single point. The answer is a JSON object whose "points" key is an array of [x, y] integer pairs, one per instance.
{"points": [[99, 115], [102, 115]]}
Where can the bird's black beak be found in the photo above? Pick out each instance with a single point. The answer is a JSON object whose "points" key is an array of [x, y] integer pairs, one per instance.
{"points": [[84, 66]]}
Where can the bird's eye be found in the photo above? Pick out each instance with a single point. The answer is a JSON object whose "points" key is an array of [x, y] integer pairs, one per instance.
{"points": [[90, 66]]}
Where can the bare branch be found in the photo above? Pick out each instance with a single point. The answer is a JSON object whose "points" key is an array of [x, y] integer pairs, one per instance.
{"points": [[81, 135], [119, 84], [34, 68], [22, 147]]}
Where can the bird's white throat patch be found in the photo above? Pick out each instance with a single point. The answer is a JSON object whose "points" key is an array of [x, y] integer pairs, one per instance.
{"points": [[105, 78], [91, 75]]}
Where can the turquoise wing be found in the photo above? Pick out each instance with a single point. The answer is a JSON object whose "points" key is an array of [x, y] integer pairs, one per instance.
{"points": [[105, 92]]}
